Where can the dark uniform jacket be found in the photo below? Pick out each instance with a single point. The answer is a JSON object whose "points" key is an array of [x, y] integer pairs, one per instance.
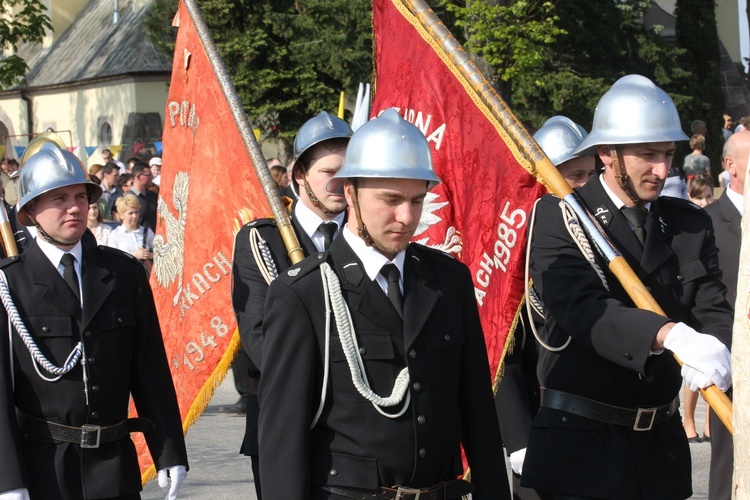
{"points": [[125, 353], [727, 226], [249, 290], [608, 359], [352, 445]]}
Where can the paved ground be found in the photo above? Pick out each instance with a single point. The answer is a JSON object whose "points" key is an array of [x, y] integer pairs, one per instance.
{"points": [[218, 472]]}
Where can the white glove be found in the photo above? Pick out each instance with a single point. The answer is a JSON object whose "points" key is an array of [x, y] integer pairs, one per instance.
{"points": [[173, 477], [516, 460], [701, 353], [19, 494]]}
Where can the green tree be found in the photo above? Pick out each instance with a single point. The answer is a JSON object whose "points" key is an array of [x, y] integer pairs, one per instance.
{"points": [[21, 21], [698, 36], [288, 59], [572, 51]]}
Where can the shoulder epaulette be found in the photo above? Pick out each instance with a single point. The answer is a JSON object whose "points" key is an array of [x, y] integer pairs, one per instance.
{"points": [[308, 265], [680, 202], [433, 251], [266, 221], [116, 251], [8, 261]]}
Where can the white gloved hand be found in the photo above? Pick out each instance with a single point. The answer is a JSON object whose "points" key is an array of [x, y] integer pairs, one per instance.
{"points": [[702, 353], [19, 494], [516, 460], [173, 477]]}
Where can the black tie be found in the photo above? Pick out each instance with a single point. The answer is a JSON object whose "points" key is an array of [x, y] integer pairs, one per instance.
{"points": [[327, 229], [637, 218], [69, 274], [390, 272]]}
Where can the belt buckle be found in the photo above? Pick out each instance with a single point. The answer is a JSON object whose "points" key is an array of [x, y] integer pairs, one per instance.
{"points": [[402, 490], [650, 415], [86, 441]]}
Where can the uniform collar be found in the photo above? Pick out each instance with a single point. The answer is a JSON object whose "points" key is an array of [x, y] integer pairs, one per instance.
{"points": [[309, 221], [372, 260], [616, 201], [54, 254]]}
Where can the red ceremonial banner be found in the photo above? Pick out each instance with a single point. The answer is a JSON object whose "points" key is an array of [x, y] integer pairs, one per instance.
{"points": [[480, 211], [208, 189]]}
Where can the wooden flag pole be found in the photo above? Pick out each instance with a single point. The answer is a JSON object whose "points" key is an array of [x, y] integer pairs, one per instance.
{"points": [[548, 175], [283, 221]]}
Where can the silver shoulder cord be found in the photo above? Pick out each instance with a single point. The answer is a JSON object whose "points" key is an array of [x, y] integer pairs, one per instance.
{"points": [[14, 320], [333, 297], [335, 303], [572, 224]]}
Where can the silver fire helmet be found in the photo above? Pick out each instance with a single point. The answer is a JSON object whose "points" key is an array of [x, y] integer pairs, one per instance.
{"points": [[633, 111], [388, 147], [559, 137], [50, 168], [318, 129]]}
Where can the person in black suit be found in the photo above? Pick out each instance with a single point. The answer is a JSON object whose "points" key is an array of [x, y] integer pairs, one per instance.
{"points": [[609, 425], [142, 180], [726, 215], [85, 339], [319, 151], [517, 398], [374, 398]]}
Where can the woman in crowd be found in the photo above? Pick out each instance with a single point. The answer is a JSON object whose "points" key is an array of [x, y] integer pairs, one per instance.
{"points": [[130, 237], [95, 224]]}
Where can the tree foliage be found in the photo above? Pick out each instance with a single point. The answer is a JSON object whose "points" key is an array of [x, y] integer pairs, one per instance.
{"points": [[288, 60], [20, 21], [697, 34], [575, 51]]}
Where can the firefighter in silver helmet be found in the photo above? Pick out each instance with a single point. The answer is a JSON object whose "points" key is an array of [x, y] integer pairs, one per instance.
{"points": [[317, 216], [609, 425], [381, 372], [85, 337]]}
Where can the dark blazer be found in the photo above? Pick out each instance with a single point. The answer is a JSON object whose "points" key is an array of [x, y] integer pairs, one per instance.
{"points": [[727, 222], [249, 290], [352, 445], [727, 227], [609, 357], [123, 345]]}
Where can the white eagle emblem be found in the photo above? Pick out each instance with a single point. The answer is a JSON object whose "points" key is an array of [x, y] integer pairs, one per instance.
{"points": [[169, 255], [452, 243]]}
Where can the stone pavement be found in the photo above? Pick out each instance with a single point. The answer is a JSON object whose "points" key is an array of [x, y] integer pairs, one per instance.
{"points": [[218, 472]]}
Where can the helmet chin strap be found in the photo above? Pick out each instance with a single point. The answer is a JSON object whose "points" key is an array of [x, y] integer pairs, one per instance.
{"points": [[623, 180], [361, 228], [47, 237], [315, 201]]}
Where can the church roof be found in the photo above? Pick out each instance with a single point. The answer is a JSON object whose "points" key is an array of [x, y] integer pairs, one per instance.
{"points": [[93, 47]]}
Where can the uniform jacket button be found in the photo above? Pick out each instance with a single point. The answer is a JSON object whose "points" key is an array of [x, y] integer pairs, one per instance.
{"points": [[94, 414], [421, 420], [92, 360], [447, 336], [334, 472], [680, 278], [45, 329], [417, 386], [95, 388], [87, 333], [412, 354], [422, 453], [119, 320], [628, 356], [565, 419], [363, 350]]}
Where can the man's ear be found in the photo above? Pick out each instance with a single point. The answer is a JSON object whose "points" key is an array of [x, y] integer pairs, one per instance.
{"points": [[605, 154]]}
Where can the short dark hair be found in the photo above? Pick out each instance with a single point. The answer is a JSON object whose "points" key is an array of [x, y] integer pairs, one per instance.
{"points": [[140, 168], [109, 167], [124, 179]]}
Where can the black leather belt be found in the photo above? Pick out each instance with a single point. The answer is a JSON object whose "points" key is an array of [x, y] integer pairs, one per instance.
{"points": [[448, 489], [639, 419], [88, 435]]}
